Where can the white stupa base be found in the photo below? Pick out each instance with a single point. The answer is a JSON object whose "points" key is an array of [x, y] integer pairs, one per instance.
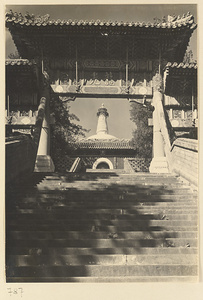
{"points": [[159, 165]]}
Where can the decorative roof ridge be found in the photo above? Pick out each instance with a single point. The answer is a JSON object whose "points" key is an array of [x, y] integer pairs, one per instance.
{"points": [[32, 20], [192, 65], [104, 140], [19, 62], [105, 144]]}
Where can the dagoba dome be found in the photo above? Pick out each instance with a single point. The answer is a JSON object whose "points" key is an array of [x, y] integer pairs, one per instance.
{"points": [[102, 127]]}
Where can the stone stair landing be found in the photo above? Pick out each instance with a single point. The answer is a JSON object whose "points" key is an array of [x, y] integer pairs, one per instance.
{"points": [[102, 227]]}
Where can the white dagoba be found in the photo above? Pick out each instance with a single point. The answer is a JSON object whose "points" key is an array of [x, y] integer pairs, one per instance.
{"points": [[102, 127]]}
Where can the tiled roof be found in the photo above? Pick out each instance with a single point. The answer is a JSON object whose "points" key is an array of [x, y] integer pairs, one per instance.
{"points": [[187, 20], [104, 144], [177, 80], [19, 62]]}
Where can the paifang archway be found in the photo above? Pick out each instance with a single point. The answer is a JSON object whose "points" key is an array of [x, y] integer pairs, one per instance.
{"points": [[105, 59]]}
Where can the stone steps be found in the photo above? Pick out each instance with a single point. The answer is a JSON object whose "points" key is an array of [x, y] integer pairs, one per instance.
{"points": [[101, 171], [101, 235], [107, 205], [111, 174], [139, 220], [106, 279], [113, 259], [102, 227], [145, 207], [174, 199], [55, 251], [99, 216], [131, 182], [108, 228], [105, 243], [103, 270], [58, 210], [110, 194], [104, 195], [111, 189]]}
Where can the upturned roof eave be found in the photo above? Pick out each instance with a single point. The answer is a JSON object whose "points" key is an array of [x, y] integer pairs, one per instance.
{"points": [[22, 27], [174, 70]]}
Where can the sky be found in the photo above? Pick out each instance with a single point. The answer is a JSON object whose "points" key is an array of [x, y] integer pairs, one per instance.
{"points": [[119, 116]]}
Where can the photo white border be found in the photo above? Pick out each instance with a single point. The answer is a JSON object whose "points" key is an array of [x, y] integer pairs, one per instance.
{"points": [[117, 291]]}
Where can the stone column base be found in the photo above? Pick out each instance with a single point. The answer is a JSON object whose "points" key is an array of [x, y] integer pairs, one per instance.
{"points": [[159, 165], [44, 164]]}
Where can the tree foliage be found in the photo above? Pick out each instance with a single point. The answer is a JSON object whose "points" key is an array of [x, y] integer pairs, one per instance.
{"points": [[143, 134], [14, 55], [189, 57], [65, 132]]}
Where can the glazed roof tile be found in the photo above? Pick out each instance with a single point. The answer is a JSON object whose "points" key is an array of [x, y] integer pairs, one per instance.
{"points": [[105, 144], [182, 65], [187, 20]]}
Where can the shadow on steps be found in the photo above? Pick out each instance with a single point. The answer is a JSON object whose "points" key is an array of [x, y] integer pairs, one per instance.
{"points": [[63, 225]]}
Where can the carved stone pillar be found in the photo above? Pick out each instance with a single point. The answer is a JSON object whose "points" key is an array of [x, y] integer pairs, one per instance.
{"points": [[159, 163]]}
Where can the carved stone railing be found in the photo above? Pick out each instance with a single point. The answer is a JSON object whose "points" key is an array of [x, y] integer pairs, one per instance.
{"points": [[165, 133], [160, 115]]}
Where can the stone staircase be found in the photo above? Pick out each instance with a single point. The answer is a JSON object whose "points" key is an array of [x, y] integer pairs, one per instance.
{"points": [[102, 227]]}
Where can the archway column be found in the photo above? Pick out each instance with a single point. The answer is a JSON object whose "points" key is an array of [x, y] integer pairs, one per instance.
{"points": [[159, 162], [44, 161], [44, 143]]}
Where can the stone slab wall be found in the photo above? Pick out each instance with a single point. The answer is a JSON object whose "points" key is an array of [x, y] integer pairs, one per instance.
{"points": [[185, 159]]}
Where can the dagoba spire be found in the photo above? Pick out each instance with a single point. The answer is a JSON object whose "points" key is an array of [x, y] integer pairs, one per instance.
{"points": [[102, 127]]}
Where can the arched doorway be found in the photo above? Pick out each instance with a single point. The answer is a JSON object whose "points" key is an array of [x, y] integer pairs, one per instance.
{"points": [[102, 163]]}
